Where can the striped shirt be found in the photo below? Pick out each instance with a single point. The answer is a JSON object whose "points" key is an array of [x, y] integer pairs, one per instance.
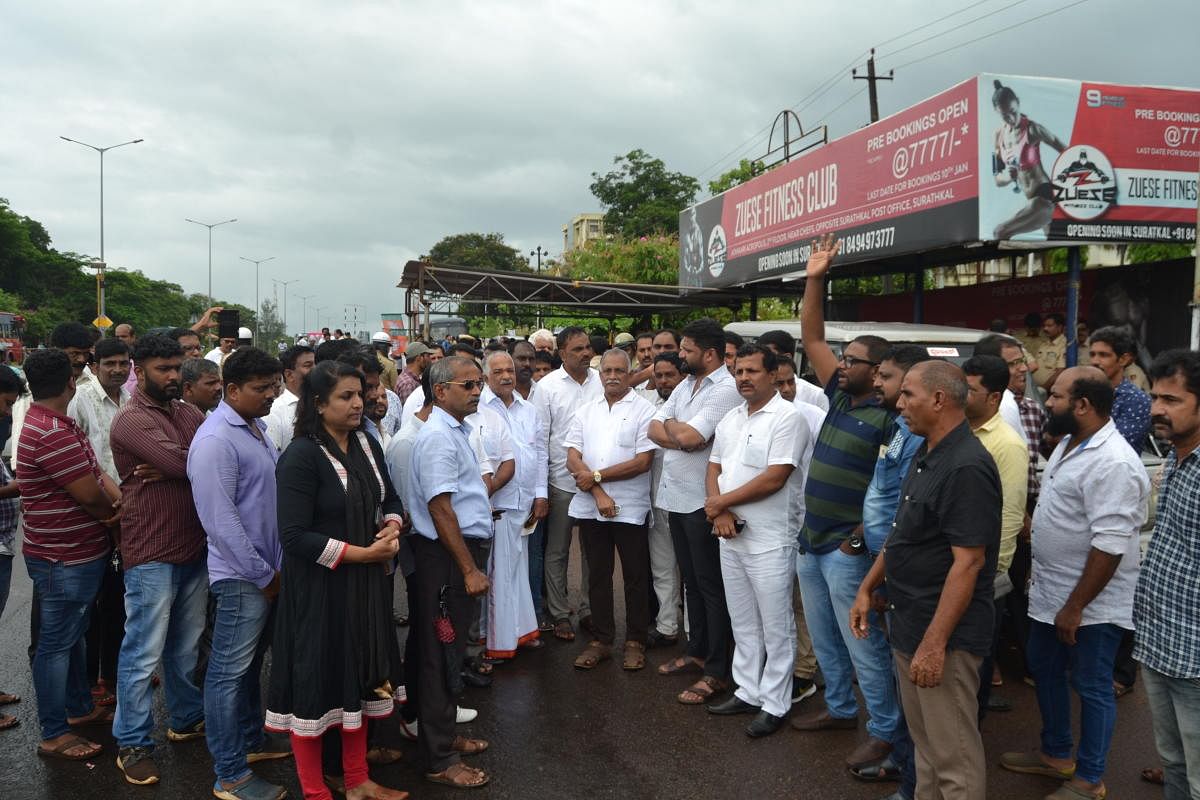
{"points": [[159, 522], [842, 465], [51, 453]]}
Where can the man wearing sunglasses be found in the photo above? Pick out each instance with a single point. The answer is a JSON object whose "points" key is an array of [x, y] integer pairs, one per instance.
{"points": [[833, 556]]}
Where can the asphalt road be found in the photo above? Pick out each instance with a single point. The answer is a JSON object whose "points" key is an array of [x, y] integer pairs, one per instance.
{"points": [[559, 733]]}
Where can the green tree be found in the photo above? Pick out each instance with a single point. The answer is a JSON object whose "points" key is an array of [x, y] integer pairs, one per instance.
{"points": [[1145, 253], [744, 171], [486, 250], [270, 326], [641, 197]]}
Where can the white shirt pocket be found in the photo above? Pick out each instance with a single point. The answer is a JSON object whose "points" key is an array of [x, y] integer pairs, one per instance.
{"points": [[755, 453], [627, 434]]}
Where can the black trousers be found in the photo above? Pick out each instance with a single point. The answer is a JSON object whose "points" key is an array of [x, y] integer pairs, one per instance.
{"points": [[436, 705], [106, 629], [1125, 668], [599, 540], [699, 557], [412, 653]]}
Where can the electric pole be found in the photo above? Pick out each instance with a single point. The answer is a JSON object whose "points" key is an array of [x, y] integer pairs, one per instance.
{"points": [[871, 78]]}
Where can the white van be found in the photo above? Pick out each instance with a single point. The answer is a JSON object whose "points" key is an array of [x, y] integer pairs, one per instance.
{"points": [[942, 341]]}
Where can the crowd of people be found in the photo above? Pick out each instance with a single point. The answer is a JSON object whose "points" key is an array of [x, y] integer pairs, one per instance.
{"points": [[185, 513]]}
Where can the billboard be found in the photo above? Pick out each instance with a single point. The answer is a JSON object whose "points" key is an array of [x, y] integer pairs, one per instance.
{"points": [[1079, 161], [996, 158], [905, 184]]}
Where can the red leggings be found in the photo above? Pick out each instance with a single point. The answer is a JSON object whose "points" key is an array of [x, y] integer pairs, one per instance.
{"points": [[307, 750]]}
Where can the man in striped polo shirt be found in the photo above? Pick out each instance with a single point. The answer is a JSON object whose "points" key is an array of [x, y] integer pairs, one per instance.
{"points": [[68, 501], [833, 554]]}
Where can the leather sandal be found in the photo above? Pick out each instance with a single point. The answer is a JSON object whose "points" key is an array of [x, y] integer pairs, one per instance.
{"points": [[459, 776], [635, 656], [702, 690], [468, 747], [592, 655]]}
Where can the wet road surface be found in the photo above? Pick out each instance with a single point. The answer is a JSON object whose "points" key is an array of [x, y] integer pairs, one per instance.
{"points": [[559, 733]]}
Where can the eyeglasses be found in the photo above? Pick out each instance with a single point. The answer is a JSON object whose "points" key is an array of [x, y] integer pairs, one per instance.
{"points": [[470, 386], [851, 361], [1016, 362]]}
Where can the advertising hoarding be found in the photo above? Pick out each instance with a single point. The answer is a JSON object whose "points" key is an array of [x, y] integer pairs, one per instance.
{"points": [[996, 159], [905, 184], [1080, 161]]}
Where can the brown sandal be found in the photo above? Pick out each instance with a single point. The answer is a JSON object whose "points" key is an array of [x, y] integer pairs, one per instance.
{"points": [[7, 722], [459, 776], [1154, 775], [380, 756], [564, 631], [468, 747], [7, 699], [635, 656], [592, 655], [99, 715], [702, 690], [60, 751], [678, 665]]}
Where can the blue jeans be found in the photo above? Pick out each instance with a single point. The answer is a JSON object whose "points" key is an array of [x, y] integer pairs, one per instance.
{"points": [[537, 564], [164, 618], [232, 687], [1090, 664], [828, 584], [1175, 709], [59, 664]]}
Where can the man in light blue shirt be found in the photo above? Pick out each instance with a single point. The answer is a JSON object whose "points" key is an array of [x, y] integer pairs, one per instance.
{"points": [[879, 513], [451, 517], [231, 466]]}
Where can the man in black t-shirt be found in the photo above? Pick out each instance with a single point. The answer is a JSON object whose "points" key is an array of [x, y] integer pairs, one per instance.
{"points": [[939, 564]]}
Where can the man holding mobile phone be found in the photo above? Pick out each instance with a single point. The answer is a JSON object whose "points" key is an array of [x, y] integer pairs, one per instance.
{"points": [[755, 486]]}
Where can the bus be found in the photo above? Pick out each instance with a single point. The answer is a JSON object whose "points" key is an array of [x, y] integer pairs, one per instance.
{"points": [[12, 351]]}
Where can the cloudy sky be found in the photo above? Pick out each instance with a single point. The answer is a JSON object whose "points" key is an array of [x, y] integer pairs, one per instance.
{"points": [[349, 137]]}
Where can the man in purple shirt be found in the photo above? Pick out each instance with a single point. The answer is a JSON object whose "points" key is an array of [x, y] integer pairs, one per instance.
{"points": [[231, 465]]}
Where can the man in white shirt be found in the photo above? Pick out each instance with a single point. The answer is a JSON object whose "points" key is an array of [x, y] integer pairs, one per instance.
{"points": [[664, 569], [684, 427], [298, 360], [98, 401], [788, 385], [558, 396], [222, 351], [609, 456], [755, 487], [512, 621], [93, 408], [784, 344], [1085, 568]]}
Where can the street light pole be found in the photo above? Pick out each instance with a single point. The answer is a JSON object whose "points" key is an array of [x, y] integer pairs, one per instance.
{"points": [[257, 306], [210, 226], [101, 299], [304, 314], [285, 285], [317, 313], [539, 252]]}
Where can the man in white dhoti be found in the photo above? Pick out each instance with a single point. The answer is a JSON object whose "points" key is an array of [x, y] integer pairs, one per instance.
{"points": [[755, 496], [512, 621]]}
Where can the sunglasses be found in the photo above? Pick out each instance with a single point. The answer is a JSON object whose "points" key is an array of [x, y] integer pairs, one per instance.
{"points": [[470, 386]]}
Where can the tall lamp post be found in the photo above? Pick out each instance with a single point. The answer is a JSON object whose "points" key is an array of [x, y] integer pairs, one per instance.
{"points": [[304, 313], [539, 252], [210, 226], [317, 313], [257, 306], [100, 294], [285, 285]]}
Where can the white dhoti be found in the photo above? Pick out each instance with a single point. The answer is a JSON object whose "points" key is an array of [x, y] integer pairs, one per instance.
{"points": [[511, 618], [758, 592]]}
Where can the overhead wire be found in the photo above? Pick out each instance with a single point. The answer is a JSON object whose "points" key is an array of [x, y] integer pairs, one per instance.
{"points": [[952, 29], [930, 24], [996, 32]]}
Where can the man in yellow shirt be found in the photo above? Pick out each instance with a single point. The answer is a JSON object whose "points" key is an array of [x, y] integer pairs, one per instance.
{"points": [[987, 378], [1051, 354], [1031, 338]]}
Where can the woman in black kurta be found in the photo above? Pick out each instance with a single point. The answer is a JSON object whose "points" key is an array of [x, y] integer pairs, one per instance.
{"points": [[334, 647]]}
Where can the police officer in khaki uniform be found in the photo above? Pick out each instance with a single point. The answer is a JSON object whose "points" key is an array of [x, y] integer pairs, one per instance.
{"points": [[1051, 354]]}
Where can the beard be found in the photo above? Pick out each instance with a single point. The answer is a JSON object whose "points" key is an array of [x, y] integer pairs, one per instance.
{"points": [[162, 392], [1062, 424]]}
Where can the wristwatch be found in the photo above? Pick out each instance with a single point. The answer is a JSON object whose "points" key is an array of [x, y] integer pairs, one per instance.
{"points": [[856, 543], [596, 476]]}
